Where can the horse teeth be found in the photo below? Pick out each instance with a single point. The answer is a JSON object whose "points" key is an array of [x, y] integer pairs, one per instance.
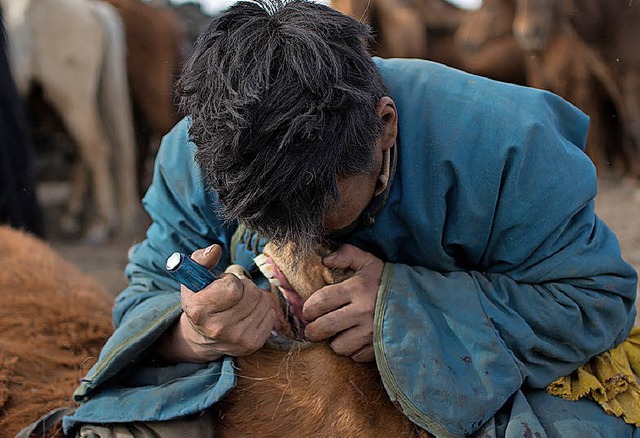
{"points": [[261, 259], [268, 271]]}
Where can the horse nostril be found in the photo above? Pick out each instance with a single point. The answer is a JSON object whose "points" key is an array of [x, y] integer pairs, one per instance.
{"points": [[519, 30], [536, 34], [466, 41], [528, 37], [469, 46]]}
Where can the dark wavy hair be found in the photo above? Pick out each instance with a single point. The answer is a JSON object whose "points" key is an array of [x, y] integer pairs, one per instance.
{"points": [[282, 98]]}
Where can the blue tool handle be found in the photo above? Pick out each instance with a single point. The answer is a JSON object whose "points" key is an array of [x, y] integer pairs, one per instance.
{"points": [[184, 269]]}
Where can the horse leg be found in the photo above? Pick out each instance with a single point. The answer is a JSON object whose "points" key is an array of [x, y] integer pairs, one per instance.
{"points": [[85, 127], [118, 117], [630, 91], [402, 30], [535, 71], [71, 83], [70, 220], [599, 139]]}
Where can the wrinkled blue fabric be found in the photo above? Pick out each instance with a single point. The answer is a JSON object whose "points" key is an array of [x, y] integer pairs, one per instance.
{"points": [[499, 277]]}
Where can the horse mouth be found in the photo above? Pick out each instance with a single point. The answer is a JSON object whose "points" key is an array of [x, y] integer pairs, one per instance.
{"points": [[288, 297]]}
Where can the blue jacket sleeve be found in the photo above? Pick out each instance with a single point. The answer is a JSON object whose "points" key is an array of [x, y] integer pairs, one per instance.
{"points": [[184, 219], [539, 286]]}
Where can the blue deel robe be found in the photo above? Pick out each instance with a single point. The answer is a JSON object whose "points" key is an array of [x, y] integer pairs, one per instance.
{"points": [[499, 277]]}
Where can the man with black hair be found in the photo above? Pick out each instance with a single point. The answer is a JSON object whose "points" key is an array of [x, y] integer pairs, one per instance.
{"points": [[464, 206]]}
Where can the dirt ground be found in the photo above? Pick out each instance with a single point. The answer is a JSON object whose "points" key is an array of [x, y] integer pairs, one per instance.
{"points": [[618, 204]]}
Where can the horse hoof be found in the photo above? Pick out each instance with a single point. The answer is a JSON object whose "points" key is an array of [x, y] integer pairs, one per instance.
{"points": [[69, 226], [96, 235]]}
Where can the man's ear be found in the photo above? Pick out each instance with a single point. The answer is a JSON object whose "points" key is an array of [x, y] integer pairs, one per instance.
{"points": [[386, 110]]}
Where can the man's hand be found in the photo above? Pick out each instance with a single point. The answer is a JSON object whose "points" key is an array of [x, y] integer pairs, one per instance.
{"points": [[230, 316], [345, 310]]}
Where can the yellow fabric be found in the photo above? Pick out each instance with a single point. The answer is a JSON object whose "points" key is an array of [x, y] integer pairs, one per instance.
{"points": [[611, 379]]}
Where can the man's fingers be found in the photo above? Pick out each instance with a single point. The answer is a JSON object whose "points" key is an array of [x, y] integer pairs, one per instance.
{"points": [[365, 354], [209, 256], [256, 306], [251, 332], [325, 300], [267, 325], [227, 302], [277, 309], [354, 342], [328, 325], [219, 296], [346, 257]]}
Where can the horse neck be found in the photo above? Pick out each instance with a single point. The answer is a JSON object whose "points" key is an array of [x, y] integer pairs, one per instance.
{"points": [[608, 27], [597, 21]]}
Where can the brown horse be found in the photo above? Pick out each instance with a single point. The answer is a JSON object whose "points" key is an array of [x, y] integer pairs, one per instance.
{"points": [[53, 321], [408, 28], [584, 52], [559, 61], [400, 28], [556, 59], [486, 44], [428, 29], [155, 38], [302, 388]]}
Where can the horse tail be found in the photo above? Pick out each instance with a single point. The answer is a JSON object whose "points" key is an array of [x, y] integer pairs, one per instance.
{"points": [[117, 113]]}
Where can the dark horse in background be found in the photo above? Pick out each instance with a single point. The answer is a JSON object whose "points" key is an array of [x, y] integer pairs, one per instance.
{"points": [[19, 205], [605, 35], [427, 29], [586, 52]]}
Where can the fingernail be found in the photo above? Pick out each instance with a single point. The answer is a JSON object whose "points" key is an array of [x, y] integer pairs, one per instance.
{"points": [[358, 355], [330, 256], [208, 249]]}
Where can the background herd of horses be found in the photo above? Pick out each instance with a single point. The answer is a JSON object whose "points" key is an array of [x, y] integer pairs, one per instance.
{"points": [[584, 50], [106, 69]]}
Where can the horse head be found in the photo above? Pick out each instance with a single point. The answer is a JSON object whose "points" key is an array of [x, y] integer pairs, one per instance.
{"points": [[296, 388], [491, 21], [358, 9], [535, 21], [294, 277]]}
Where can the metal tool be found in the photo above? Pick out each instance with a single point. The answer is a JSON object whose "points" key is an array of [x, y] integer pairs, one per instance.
{"points": [[184, 269]]}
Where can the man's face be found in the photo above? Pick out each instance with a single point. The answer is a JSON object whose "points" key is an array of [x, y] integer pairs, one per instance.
{"points": [[355, 194]]}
